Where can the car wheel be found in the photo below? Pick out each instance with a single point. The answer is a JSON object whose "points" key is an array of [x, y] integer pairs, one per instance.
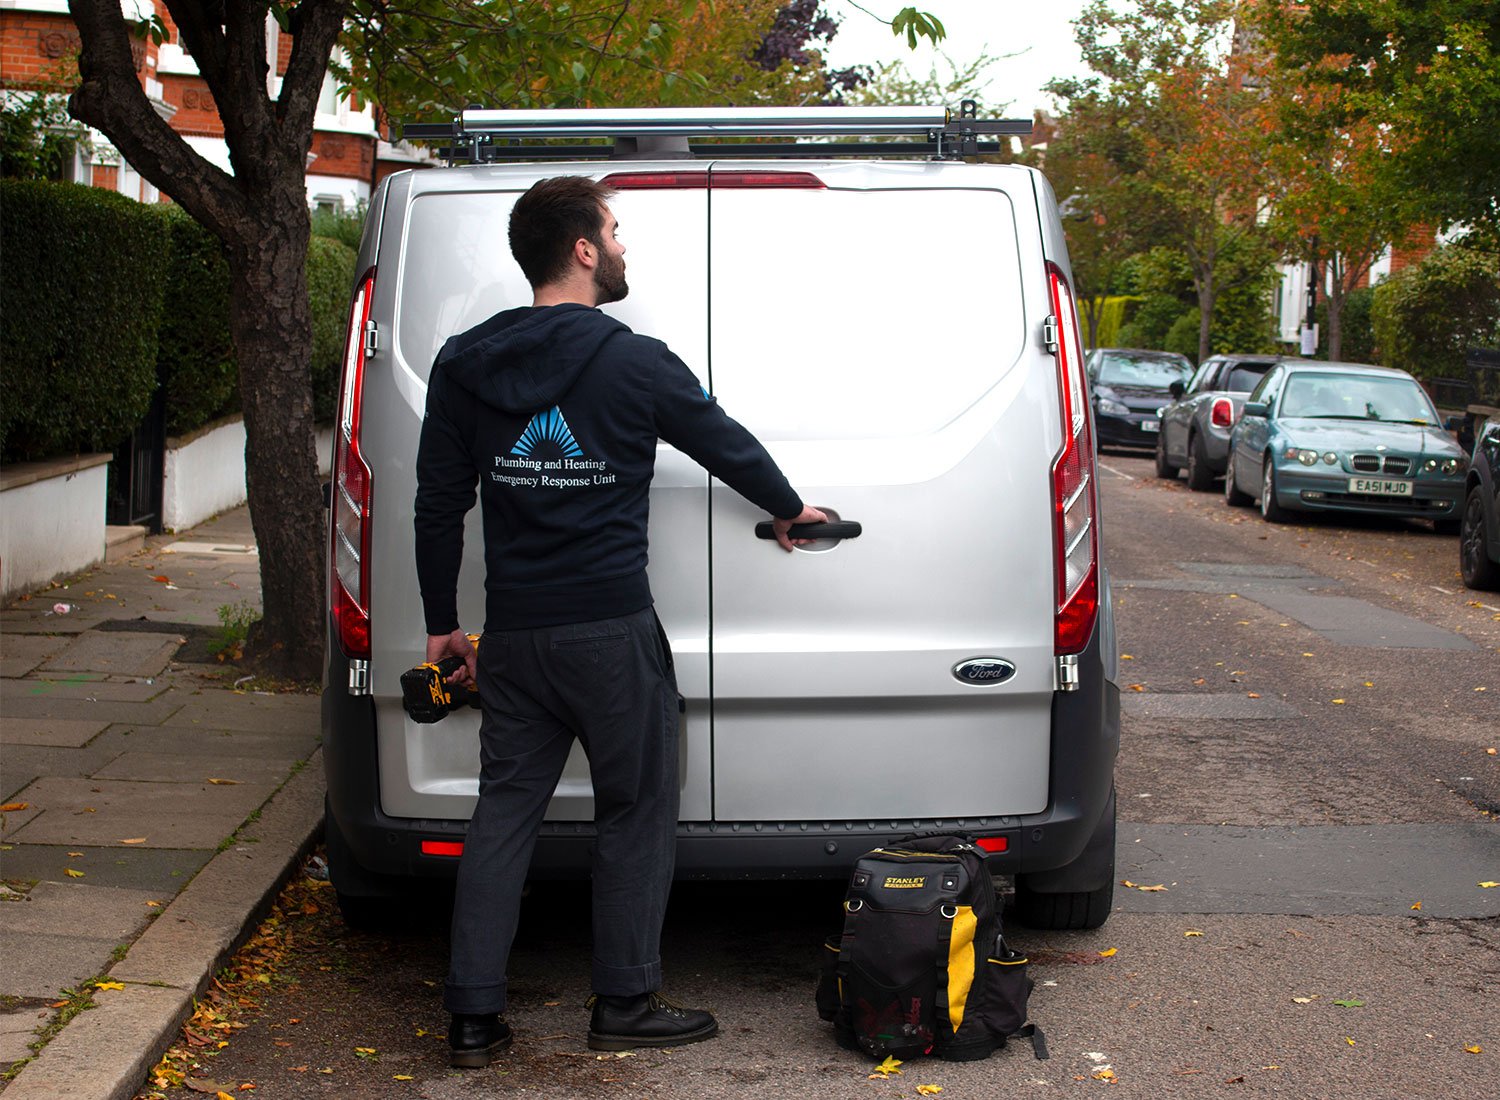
{"points": [[1200, 477], [1232, 495], [1070, 910], [1478, 568], [1269, 508], [1164, 469]]}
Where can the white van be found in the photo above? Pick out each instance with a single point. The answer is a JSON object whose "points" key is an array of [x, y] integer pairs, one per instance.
{"points": [[901, 335]]}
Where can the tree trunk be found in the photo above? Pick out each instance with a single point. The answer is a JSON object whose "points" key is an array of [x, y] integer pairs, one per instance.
{"points": [[271, 323], [1335, 296], [1207, 295], [1093, 310]]}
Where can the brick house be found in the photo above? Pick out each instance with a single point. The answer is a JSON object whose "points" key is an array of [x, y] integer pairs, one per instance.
{"points": [[38, 51]]}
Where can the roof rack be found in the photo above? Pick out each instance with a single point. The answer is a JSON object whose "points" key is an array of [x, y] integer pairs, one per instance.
{"points": [[484, 136]]}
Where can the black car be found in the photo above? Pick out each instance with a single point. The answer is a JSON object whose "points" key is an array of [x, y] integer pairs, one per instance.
{"points": [[1130, 388], [1479, 528]]}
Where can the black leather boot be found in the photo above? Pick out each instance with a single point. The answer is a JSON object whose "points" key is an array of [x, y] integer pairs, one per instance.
{"points": [[473, 1041], [646, 1020]]}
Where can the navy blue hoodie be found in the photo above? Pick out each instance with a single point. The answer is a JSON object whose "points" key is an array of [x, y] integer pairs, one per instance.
{"points": [[555, 412]]}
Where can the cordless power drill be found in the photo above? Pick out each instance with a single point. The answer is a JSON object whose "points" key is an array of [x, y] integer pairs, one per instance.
{"points": [[426, 693]]}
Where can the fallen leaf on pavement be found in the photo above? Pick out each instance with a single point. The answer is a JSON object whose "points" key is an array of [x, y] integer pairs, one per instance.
{"points": [[134, 840], [72, 855], [1305, 1000], [1491, 752], [153, 905], [1252, 694], [402, 1077], [1417, 906], [204, 1085], [72, 873], [162, 580], [1348, 1040], [1338, 702], [1137, 687], [886, 1068], [1192, 932], [224, 782], [1488, 885], [1108, 952], [929, 1090], [109, 985], [1105, 1074], [1350, 1004], [14, 807], [1475, 1049]]}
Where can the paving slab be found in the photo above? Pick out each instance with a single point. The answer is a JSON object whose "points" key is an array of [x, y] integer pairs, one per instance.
{"points": [[200, 741], [104, 811], [80, 700], [20, 653], [162, 872], [61, 934], [89, 687], [105, 1052], [115, 653], [22, 765], [17, 1029], [69, 733], [163, 766], [228, 710]]}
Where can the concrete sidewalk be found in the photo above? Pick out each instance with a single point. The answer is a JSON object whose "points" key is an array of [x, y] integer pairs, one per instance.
{"points": [[152, 807]]}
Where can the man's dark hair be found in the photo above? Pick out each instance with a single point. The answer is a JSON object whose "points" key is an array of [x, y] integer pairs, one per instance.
{"points": [[549, 218]]}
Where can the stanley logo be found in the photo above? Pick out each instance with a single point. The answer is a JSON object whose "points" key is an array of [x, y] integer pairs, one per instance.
{"points": [[915, 883]]}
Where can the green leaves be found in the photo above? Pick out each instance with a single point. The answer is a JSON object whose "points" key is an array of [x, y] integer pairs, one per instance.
{"points": [[917, 24]]}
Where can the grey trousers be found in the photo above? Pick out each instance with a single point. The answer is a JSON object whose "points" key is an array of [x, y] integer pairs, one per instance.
{"points": [[609, 684]]}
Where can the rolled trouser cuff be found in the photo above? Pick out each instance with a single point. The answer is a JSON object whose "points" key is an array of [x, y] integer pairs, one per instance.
{"points": [[474, 1000], [626, 981]]}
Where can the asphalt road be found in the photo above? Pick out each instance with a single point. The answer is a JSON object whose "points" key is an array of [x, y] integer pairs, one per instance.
{"points": [[1304, 769]]}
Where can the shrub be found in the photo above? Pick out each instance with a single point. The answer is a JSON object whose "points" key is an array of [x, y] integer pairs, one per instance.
{"points": [[330, 279], [1426, 317], [80, 306], [1358, 335], [196, 363], [346, 227]]}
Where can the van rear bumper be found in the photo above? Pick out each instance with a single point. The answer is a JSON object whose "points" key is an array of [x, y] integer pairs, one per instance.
{"points": [[1085, 742]]}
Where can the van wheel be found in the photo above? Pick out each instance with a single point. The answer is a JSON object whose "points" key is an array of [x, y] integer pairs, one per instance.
{"points": [[1164, 469], [1070, 910], [1200, 477], [1232, 495]]}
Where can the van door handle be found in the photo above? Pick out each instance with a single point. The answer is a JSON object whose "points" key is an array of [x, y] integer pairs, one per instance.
{"points": [[840, 529]]}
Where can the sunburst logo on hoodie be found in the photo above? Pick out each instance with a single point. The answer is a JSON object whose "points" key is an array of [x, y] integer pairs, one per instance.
{"points": [[547, 426]]}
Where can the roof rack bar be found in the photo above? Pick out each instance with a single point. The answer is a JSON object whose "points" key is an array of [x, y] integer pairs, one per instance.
{"points": [[487, 153], [705, 121]]}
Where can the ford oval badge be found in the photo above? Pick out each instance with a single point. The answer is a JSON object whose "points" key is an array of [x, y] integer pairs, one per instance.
{"points": [[983, 671]]}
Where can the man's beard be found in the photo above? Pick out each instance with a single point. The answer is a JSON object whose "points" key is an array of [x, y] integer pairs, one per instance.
{"points": [[609, 278]]}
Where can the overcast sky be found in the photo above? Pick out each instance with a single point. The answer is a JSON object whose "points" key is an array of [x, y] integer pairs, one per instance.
{"points": [[1040, 32]]}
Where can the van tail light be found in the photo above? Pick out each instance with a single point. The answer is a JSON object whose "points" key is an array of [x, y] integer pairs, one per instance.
{"points": [[1222, 414], [718, 180], [1074, 501], [349, 559]]}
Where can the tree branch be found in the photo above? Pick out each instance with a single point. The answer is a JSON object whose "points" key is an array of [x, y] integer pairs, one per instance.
{"points": [[315, 26], [110, 98]]}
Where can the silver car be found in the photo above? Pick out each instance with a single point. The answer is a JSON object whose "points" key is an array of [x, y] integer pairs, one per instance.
{"points": [[1195, 427]]}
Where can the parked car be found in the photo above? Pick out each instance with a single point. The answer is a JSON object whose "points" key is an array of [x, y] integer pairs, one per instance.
{"points": [[891, 685], [1479, 529], [1130, 388], [1344, 437], [1195, 426]]}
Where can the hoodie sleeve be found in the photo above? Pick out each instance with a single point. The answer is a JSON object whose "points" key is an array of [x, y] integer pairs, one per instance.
{"points": [[692, 421], [446, 480]]}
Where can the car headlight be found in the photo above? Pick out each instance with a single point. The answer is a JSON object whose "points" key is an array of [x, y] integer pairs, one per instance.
{"points": [[1303, 455], [1113, 407], [1330, 458], [1453, 465]]}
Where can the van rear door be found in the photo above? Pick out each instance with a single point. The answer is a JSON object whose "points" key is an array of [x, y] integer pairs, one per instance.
{"points": [[877, 333]]}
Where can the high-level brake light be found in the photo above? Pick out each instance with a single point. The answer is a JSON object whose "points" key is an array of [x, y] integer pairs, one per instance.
{"points": [[349, 556], [1075, 507], [718, 180]]}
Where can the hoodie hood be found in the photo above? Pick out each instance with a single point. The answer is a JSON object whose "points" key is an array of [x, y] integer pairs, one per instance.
{"points": [[526, 359]]}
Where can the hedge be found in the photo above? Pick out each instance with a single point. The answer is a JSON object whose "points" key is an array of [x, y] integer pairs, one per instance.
{"points": [[196, 363], [80, 306], [1426, 317], [330, 280]]}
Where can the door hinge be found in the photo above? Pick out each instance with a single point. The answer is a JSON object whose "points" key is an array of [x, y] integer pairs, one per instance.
{"points": [[1050, 335], [372, 338], [1065, 672], [359, 677]]}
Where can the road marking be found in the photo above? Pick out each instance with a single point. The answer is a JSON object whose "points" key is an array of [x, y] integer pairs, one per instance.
{"points": [[1117, 473], [209, 548]]}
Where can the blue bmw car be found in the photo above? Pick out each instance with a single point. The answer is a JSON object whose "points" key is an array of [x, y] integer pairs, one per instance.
{"points": [[1343, 437]]}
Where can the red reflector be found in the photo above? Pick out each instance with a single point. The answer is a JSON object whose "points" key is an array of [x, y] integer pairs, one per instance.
{"points": [[442, 847], [993, 843], [1222, 415]]}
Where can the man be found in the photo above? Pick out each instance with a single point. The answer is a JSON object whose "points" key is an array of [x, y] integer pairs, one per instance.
{"points": [[555, 410]]}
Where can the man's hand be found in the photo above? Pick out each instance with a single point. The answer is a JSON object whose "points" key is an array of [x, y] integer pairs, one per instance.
{"points": [[782, 526], [456, 644]]}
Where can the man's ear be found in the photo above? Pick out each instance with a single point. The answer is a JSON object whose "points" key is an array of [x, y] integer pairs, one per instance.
{"points": [[585, 252]]}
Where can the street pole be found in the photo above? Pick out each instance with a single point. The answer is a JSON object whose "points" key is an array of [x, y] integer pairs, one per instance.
{"points": [[1310, 326]]}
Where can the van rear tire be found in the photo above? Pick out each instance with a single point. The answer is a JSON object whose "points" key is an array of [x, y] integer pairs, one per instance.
{"points": [[1072, 910]]}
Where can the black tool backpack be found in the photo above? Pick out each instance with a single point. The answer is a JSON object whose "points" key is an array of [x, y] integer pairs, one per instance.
{"points": [[921, 966]]}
